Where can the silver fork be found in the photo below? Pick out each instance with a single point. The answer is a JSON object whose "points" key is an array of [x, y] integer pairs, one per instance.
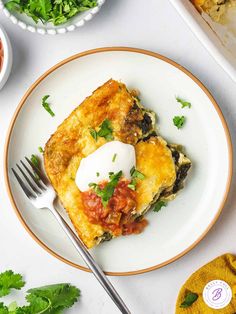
{"points": [[41, 194]]}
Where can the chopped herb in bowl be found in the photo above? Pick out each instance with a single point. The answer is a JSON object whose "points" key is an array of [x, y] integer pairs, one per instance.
{"points": [[50, 11]]}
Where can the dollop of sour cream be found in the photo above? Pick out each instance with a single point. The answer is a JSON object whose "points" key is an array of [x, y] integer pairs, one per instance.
{"points": [[111, 157]]}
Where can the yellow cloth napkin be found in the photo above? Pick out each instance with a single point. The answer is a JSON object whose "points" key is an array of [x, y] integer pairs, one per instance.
{"points": [[222, 268]]}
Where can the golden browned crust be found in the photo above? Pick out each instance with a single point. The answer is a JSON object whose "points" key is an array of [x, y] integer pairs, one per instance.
{"points": [[198, 4], [72, 141], [216, 9]]}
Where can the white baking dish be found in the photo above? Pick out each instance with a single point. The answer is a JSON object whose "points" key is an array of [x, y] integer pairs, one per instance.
{"points": [[218, 39]]}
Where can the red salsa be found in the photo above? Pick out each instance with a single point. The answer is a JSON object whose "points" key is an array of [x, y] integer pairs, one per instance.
{"points": [[118, 216]]}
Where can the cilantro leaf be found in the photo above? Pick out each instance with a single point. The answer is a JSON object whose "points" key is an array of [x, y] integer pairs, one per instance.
{"points": [[106, 130], [37, 304], [135, 174], [46, 105], [157, 207], [107, 192], [179, 121], [189, 299], [132, 185], [10, 280], [183, 102], [36, 162], [93, 133], [3, 309], [40, 149], [12, 307], [53, 298], [56, 12]]}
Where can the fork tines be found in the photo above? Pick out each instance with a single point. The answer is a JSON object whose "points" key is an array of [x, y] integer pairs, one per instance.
{"points": [[34, 183]]}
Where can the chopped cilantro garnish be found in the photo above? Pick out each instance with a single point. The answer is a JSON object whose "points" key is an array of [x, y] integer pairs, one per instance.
{"points": [[97, 174], [40, 149], [135, 174], [46, 105], [93, 133], [159, 205], [107, 192], [105, 130], [189, 299], [56, 12], [179, 121], [132, 185], [183, 102], [35, 161], [114, 157]]}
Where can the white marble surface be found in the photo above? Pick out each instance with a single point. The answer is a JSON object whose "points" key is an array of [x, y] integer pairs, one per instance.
{"points": [[155, 26]]}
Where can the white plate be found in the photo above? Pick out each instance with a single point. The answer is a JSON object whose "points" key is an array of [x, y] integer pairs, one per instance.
{"points": [[183, 223], [218, 39]]}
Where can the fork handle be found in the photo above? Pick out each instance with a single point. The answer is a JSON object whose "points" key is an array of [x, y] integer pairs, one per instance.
{"points": [[88, 259]]}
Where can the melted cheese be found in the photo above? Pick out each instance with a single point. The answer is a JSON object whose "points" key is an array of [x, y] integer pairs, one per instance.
{"points": [[72, 142]]}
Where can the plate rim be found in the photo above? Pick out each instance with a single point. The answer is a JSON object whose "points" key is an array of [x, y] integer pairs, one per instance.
{"points": [[112, 49]]}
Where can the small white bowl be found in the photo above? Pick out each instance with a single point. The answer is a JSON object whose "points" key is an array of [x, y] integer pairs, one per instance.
{"points": [[27, 23], [7, 57]]}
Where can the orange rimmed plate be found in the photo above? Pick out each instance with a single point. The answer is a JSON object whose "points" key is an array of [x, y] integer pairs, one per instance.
{"points": [[184, 222]]}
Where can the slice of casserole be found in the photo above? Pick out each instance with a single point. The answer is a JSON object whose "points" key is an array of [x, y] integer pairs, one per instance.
{"points": [[158, 175], [216, 9]]}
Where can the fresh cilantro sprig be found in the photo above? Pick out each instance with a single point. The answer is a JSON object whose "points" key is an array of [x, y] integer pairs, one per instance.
{"points": [[107, 192], [8, 281], [56, 12], [179, 121], [105, 130], [135, 174], [46, 105], [189, 299], [183, 102], [51, 299], [157, 207]]}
